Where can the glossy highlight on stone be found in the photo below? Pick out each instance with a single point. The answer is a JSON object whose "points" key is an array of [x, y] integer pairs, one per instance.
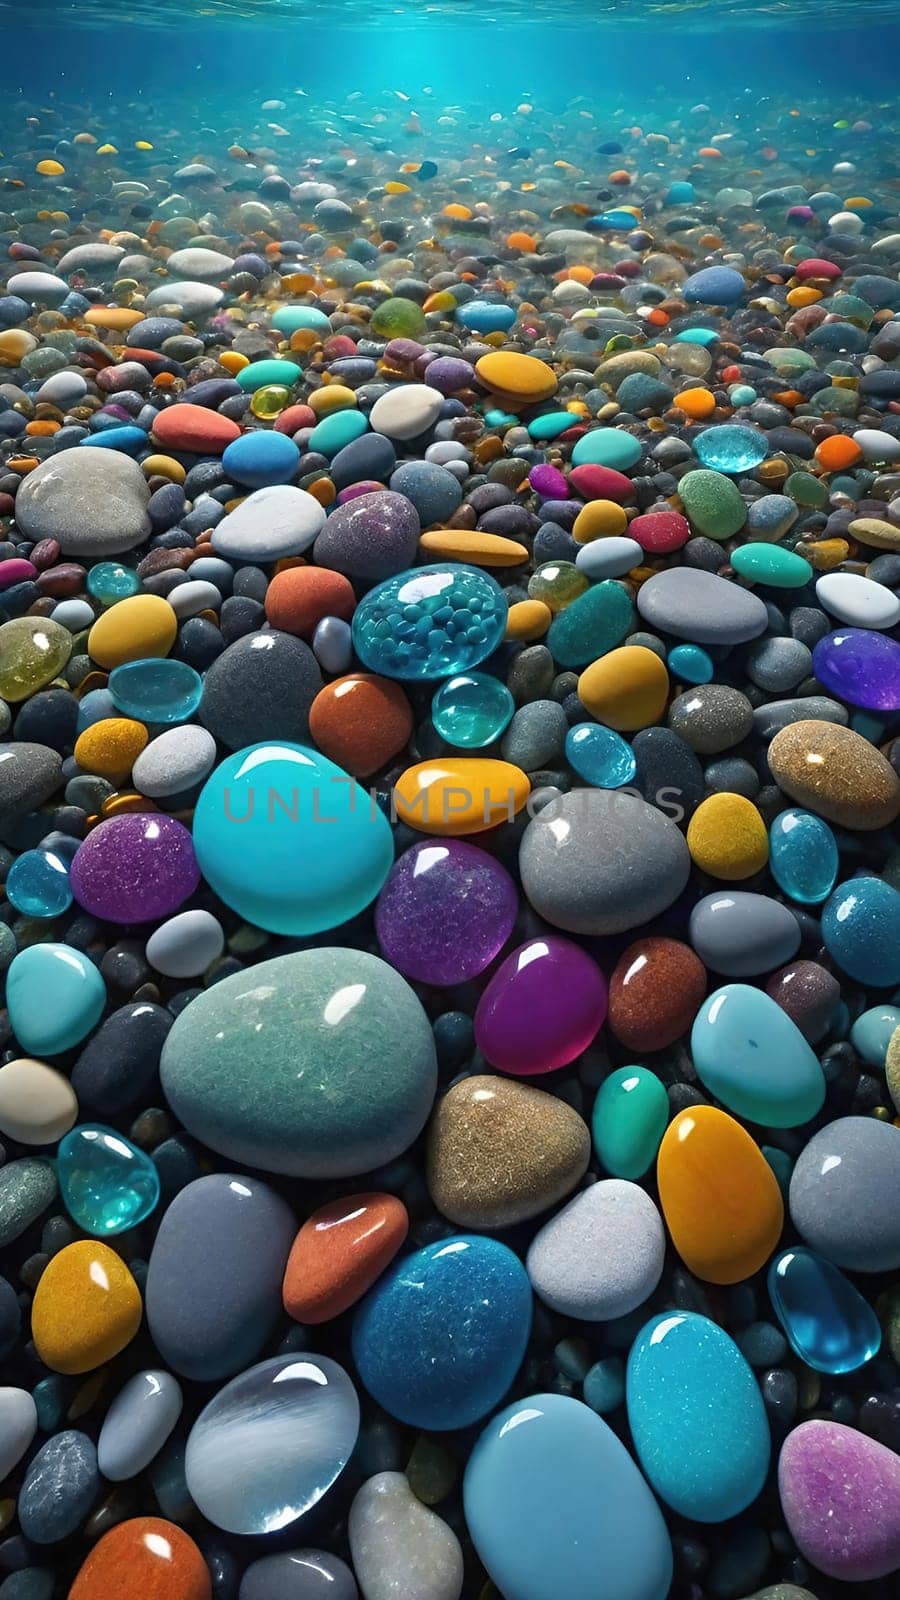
{"points": [[828, 1323], [861, 667], [429, 623], [445, 912], [135, 868], [729, 447], [753, 1058], [628, 1121], [145, 1558], [87, 1307], [722, 1205], [541, 1008], [107, 1184], [471, 710], [339, 1253], [156, 690], [600, 756], [803, 855]]}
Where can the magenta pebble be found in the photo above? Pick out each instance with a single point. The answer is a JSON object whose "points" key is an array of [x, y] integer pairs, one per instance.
{"points": [[445, 911], [135, 868], [542, 1007]]}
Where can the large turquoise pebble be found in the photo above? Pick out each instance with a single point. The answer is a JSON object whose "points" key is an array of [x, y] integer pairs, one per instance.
{"points": [[731, 447], [828, 1323], [109, 581], [601, 757], [772, 565], [592, 625], [803, 856], [607, 447], [157, 690], [334, 432], [753, 1058], [630, 1115], [288, 319], [318, 1064], [107, 1184], [440, 1338], [871, 1033], [697, 1417], [54, 995], [289, 840], [261, 373], [430, 623], [472, 709], [551, 424], [861, 930], [556, 1506]]}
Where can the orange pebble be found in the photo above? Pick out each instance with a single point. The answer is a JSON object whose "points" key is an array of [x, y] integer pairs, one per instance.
{"points": [[803, 296], [340, 1252], [298, 598], [360, 721], [145, 1558], [838, 453], [696, 403], [457, 213], [521, 241], [722, 1205]]}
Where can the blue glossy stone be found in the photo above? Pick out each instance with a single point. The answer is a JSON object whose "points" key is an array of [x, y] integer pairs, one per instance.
{"points": [[260, 457], [95, 706], [558, 1510], [107, 1184], [871, 1033], [679, 194], [601, 757], [551, 424], [290, 841], [156, 690], [803, 856], [109, 581], [861, 930], [440, 1338], [690, 664], [472, 710], [828, 1323], [77, 989], [729, 447], [753, 1058], [861, 667], [429, 623], [714, 286], [618, 221], [126, 438], [288, 319], [697, 1417], [37, 884]]}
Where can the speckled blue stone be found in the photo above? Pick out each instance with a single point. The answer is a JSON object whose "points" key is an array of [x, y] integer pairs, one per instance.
{"points": [[156, 690], [697, 1417], [803, 856], [861, 667], [714, 286], [78, 991], [107, 1184], [730, 447], [828, 1323], [861, 930], [61, 1483], [472, 709], [601, 757], [429, 623], [690, 664], [37, 884], [750, 1054], [440, 1338], [260, 457], [871, 1033]]}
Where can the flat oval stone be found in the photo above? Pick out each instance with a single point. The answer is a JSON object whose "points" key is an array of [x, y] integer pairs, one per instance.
{"points": [[741, 934], [655, 990], [406, 410], [37, 1104], [402, 1550], [861, 667], [145, 1558], [870, 1035], [118, 1065], [137, 1424], [555, 1505], [459, 794], [840, 1494], [156, 689], [186, 945], [269, 524], [828, 1323], [214, 1279], [837, 1194], [445, 912], [628, 1121], [79, 995], [18, 1426], [707, 1465], [751, 1056], [836, 773], [294, 1422], [29, 774], [317, 1064], [298, 1574], [722, 1205], [771, 565], [592, 625], [340, 1251], [174, 762], [60, 1487], [33, 650], [93, 502], [27, 1188], [141, 626], [857, 600], [697, 605], [439, 1339], [542, 1007], [602, 1255], [803, 856]]}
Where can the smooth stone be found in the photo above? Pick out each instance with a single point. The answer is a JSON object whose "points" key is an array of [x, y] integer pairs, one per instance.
{"points": [[771, 718], [870, 1035], [144, 1558], [708, 1463], [292, 1422], [731, 447], [828, 1323], [196, 262], [119, 1064], [803, 856], [214, 1280], [406, 410], [339, 1253], [751, 1056], [592, 625], [628, 1121], [41, 288], [156, 690], [192, 299], [135, 867], [459, 795], [712, 504], [29, 774], [857, 600], [59, 1489], [298, 1574], [430, 623], [555, 1505], [446, 910], [607, 447], [86, 1309], [337, 430], [837, 1194], [721, 1203], [861, 930], [742, 935], [18, 1426], [861, 667], [79, 996], [701, 607], [601, 1256], [106, 1183], [174, 762], [714, 286], [370, 538], [601, 861], [836, 773], [139, 626], [316, 1064], [260, 374], [92, 501], [27, 1188], [471, 710], [770, 564], [711, 717], [654, 993], [609, 558], [271, 523], [243, 690], [33, 651], [37, 1104], [137, 1424], [541, 1008], [185, 946], [840, 1494], [402, 1550]]}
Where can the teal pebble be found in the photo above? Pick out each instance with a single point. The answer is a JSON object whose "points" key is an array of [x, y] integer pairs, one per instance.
{"points": [[288, 319], [50, 1397], [730, 447], [551, 424], [803, 856], [742, 395], [430, 623], [828, 1323], [772, 565], [861, 930], [500, 419], [79, 995], [604, 1385], [600, 757], [753, 1058], [109, 581], [472, 710], [630, 1115], [107, 1184], [592, 625], [707, 1461], [260, 374], [154, 690], [702, 336], [37, 884], [689, 664], [482, 316], [334, 432], [607, 447], [871, 1033], [782, 1167]]}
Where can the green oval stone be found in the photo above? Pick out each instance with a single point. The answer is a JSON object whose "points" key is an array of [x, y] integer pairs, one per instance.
{"points": [[32, 651], [398, 318], [771, 564], [712, 503], [629, 1119]]}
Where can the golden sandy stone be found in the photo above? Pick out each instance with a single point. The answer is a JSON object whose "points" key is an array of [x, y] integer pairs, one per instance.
{"points": [[727, 837], [516, 377], [528, 619], [479, 549], [87, 1307], [109, 748], [141, 626], [455, 795], [836, 773], [626, 689]]}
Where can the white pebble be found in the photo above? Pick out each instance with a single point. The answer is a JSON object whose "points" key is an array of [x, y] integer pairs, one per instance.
{"points": [[186, 945], [857, 600], [402, 1550]]}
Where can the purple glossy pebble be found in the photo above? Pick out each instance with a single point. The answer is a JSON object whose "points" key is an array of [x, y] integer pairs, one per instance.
{"points": [[445, 911], [840, 1493], [861, 667], [135, 868], [542, 1007]]}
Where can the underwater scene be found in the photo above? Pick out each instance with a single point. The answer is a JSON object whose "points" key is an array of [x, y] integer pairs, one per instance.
{"points": [[449, 798]]}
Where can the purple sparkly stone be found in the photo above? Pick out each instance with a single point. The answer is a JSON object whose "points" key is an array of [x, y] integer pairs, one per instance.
{"points": [[840, 1493], [548, 482], [445, 911], [861, 667], [542, 1007], [135, 868]]}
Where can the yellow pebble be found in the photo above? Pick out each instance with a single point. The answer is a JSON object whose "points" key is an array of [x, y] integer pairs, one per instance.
{"points": [[331, 397], [727, 838], [109, 748], [87, 1307], [141, 144], [825, 555], [14, 344], [803, 296], [516, 377], [443, 300], [118, 318], [143, 625], [50, 169], [163, 467], [528, 619], [626, 689], [107, 150], [460, 795], [480, 549], [233, 361], [599, 519]]}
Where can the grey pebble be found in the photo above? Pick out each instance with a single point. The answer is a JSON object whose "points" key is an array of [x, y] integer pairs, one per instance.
{"points": [[176, 760], [244, 699], [60, 1487], [137, 1424], [196, 595], [73, 614], [18, 1426], [186, 945], [843, 1194], [531, 675], [536, 735], [732, 775], [711, 717], [769, 719], [602, 1255], [94, 501], [742, 935], [298, 1575], [27, 1188], [778, 665], [29, 774], [29, 1583], [271, 523], [333, 645], [769, 517], [697, 605]]}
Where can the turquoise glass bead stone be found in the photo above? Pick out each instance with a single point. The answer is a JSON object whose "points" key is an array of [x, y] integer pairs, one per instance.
{"points": [[430, 623], [771, 565], [753, 1058], [827, 1322], [472, 710], [592, 625], [630, 1116], [334, 432], [78, 997], [731, 448], [290, 841], [288, 319], [107, 1184], [697, 1417], [861, 930], [690, 664], [803, 856], [601, 757], [607, 447], [440, 1338], [556, 1507], [109, 581], [260, 374], [37, 884], [156, 690], [871, 1033]]}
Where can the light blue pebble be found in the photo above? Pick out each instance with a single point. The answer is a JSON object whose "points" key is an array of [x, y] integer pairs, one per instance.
{"points": [[742, 394], [551, 424], [261, 373], [714, 286], [618, 221], [334, 432], [702, 336], [556, 1506], [690, 664], [97, 705], [500, 419], [288, 319], [861, 930], [707, 1461], [261, 458], [803, 856], [731, 447], [753, 1058], [772, 515], [128, 439], [332, 645], [73, 614], [609, 558], [37, 884], [483, 317], [137, 1424], [871, 1033], [154, 690], [110, 581], [601, 757], [679, 194], [607, 447], [79, 995], [828, 1323]]}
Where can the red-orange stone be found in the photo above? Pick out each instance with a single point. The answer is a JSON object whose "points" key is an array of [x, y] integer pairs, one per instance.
{"points": [[655, 992], [188, 427], [144, 1559], [361, 721], [298, 598], [339, 1252]]}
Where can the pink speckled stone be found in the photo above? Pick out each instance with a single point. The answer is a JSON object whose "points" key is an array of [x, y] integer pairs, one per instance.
{"points": [[840, 1493]]}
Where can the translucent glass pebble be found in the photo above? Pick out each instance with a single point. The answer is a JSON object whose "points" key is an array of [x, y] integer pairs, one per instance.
{"points": [[690, 664], [109, 581], [803, 856], [471, 710], [731, 448], [156, 690], [107, 1184], [37, 884], [269, 401], [861, 667], [429, 623], [828, 1323], [601, 757]]}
